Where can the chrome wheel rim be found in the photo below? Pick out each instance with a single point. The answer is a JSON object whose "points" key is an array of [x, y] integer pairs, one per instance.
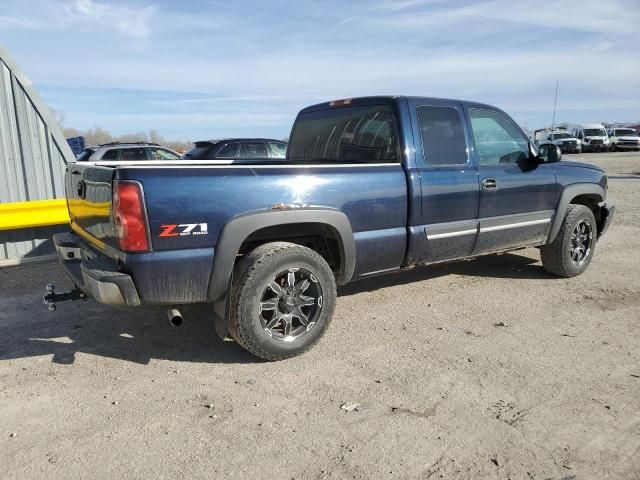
{"points": [[581, 242], [290, 304]]}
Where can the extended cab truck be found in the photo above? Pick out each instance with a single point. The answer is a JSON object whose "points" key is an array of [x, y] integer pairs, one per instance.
{"points": [[369, 186]]}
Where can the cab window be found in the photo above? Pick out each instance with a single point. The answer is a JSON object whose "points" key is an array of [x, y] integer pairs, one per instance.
{"points": [[498, 140]]}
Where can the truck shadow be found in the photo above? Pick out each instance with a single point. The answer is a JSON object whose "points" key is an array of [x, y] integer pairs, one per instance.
{"points": [[507, 265], [140, 335]]}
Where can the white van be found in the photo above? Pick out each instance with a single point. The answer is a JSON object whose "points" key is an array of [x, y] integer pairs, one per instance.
{"points": [[593, 136]]}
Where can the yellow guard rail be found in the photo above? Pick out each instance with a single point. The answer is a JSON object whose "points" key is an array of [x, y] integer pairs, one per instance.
{"points": [[36, 213]]}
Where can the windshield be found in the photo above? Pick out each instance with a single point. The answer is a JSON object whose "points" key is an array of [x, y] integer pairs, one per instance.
{"points": [[626, 132], [556, 136], [594, 132], [345, 134]]}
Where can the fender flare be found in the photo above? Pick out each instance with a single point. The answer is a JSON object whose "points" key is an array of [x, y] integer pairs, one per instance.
{"points": [[238, 229], [570, 192]]}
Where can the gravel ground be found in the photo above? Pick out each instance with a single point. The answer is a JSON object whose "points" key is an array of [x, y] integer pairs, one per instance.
{"points": [[445, 391]]}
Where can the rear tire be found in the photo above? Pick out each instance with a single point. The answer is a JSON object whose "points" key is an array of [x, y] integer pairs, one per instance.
{"points": [[573, 248], [282, 300]]}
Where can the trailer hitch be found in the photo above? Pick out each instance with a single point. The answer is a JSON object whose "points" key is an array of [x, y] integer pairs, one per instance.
{"points": [[51, 297]]}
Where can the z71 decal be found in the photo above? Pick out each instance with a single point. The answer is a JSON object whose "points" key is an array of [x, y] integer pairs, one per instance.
{"points": [[183, 230]]}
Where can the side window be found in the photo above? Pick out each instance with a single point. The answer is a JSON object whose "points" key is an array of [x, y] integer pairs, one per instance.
{"points": [[110, 154], [498, 140], [277, 149], [162, 154], [133, 154], [230, 150], [254, 150], [442, 133]]}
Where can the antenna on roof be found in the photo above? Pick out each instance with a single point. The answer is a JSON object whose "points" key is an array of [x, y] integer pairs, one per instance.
{"points": [[555, 102]]}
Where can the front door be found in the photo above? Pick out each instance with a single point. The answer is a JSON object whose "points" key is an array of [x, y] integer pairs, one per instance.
{"points": [[518, 195]]}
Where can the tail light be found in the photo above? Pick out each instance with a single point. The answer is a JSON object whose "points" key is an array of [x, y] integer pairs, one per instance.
{"points": [[130, 217]]}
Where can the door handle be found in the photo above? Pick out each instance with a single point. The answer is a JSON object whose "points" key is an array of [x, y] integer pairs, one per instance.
{"points": [[489, 184]]}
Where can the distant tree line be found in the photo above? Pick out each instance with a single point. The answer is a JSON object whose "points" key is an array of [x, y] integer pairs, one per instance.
{"points": [[98, 136]]}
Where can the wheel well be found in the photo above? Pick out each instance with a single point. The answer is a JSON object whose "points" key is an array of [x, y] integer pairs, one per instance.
{"points": [[591, 201], [319, 237]]}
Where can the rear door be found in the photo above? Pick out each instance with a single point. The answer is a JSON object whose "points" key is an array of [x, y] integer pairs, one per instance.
{"points": [[449, 183], [517, 196]]}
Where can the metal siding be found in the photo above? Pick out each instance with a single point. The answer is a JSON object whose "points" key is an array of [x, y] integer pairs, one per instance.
{"points": [[33, 155]]}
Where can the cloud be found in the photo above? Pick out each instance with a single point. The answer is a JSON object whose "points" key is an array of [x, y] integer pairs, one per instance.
{"points": [[129, 21], [79, 15]]}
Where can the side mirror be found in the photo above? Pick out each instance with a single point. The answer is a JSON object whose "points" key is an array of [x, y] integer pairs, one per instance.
{"points": [[549, 153]]}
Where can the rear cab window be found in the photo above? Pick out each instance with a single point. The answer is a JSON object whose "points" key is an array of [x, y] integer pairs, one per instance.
{"points": [[353, 134]]}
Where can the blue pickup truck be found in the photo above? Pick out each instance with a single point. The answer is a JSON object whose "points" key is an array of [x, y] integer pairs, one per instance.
{"points": [[369, 186]]}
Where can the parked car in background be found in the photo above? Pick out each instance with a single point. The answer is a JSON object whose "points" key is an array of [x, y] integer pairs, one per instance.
{"points": [[127, 152], [237, 149], [593, 137], [370, 186], [624, 139], [567, 142]]}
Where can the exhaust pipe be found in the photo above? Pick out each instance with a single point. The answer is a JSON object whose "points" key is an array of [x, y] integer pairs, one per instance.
{"points": [[175, 317]]}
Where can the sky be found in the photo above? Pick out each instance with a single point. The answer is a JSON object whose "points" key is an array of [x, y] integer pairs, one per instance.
{"points": [[211, 69]]}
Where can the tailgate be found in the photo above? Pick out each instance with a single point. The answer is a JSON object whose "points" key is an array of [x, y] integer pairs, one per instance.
{"points": [[89, 193]]}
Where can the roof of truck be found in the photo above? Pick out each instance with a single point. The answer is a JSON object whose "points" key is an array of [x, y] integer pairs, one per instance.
{"points": [[389, 99], [212, 141]]}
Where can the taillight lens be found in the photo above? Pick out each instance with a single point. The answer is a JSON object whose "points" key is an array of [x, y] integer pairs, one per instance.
{"points": [[130, 217]]}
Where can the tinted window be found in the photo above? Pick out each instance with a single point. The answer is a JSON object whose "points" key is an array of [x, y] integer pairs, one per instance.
{"points": [[497, 138], [277, 149], [199, 151], [230, 150], [254, 150], [133, 154], [162, 154], [345, 134], [442, 133], [110, 154]]}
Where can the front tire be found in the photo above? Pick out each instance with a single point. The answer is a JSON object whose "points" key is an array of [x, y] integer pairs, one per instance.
{"points": [[282, 300], [572, 250]]}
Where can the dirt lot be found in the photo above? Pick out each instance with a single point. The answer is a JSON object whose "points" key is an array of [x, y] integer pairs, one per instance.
{"points": [[97, 392]]}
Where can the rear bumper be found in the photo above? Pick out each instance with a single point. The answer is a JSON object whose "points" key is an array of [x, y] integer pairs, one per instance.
{"points": [[163, 278], [606, 216], [96, 275]]}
